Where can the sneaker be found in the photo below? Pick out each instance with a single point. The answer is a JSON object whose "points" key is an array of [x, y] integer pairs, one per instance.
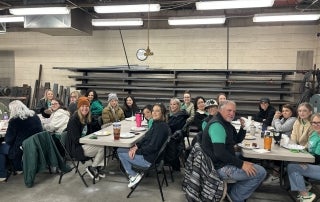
{"points": [[271, 180], [93, 173], [101, 173], [309, 198], [2, 179], [134, 180], [19, 172]]}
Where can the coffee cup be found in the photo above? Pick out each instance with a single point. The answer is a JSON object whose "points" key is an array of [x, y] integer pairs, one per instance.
{"points": [[116, 130]]}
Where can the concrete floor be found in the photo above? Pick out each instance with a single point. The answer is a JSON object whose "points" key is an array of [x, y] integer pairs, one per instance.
{"points": [[113, 188]]}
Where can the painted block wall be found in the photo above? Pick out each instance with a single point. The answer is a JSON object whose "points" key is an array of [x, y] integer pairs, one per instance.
{"points": [[249, 48]]}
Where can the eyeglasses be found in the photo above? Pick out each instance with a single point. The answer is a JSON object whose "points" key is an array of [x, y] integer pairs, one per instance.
{"points": [[315, 123]]}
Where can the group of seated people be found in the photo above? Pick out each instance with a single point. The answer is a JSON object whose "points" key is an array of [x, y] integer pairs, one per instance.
{"points": [[81, 118]]}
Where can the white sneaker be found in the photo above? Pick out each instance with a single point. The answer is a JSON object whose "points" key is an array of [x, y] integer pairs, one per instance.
{"points": [[271, 180], [134, 180], [2, 179], [309, 198], [19, 172], [93, 173]]}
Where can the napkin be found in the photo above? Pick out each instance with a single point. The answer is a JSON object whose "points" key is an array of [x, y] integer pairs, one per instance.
{"points": [[247, 123], [261, 151]]}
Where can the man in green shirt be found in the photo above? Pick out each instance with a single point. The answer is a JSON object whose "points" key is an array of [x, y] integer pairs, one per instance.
{"points": [[218, 143]]}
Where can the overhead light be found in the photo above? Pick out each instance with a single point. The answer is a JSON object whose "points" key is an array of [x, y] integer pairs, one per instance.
{"points": [[204, 20], [285, 17], [117, 22], [11, 18], [128, 8], [231, 4], [40, 11]]}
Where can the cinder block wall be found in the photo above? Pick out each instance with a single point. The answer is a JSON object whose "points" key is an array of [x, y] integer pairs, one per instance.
{"points": [[249, 48]]}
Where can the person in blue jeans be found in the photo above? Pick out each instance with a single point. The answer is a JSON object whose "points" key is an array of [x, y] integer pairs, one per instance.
{"points": [[22, 124], [218, 141], [297, 172], [145, 151]]}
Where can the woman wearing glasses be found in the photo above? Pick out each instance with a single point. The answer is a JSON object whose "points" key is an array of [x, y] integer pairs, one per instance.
{"points": [[297, 172], [302, 126], [58, 119]]}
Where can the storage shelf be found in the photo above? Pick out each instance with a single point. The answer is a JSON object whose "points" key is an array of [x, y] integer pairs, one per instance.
{"points": [[148, 86]]}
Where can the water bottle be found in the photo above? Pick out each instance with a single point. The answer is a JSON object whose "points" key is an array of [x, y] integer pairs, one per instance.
{"points": [[5, 116]]}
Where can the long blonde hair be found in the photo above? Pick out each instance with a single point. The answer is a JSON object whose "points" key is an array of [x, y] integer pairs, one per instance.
{"points": [[45, 97], [84, 119]]}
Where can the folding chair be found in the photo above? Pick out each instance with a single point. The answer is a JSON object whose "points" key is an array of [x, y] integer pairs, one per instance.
{"points": [[39, 153], [177, 139], [157, 166], [68, 157]]}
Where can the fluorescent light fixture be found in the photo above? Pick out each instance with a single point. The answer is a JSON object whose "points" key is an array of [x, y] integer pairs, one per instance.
{"points": [[117, 22], [40, 11], [11, 18], [285, 17], [204, 20], [231, 4], [128, 8]]}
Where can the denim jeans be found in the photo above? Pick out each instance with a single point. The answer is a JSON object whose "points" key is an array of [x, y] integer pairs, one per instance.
{"points": [[296, 173], [245, 185], [127, 162], [4, 149]]}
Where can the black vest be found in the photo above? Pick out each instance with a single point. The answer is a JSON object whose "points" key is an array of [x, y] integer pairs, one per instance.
{"points": [[206, 142]]}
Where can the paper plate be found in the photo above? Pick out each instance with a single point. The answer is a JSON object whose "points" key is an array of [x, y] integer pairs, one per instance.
{"points": [[126, 135], [247, 147], [138, 129], [102, 133], [250, 137], [293, 146], [130, 118]]}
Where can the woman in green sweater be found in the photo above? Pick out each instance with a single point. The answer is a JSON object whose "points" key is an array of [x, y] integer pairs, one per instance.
{"points": [[96, 108]]}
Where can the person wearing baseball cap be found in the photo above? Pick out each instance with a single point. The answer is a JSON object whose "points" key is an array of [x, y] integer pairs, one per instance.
{"points": [[80, 125], [266, 112], [211, 107]]}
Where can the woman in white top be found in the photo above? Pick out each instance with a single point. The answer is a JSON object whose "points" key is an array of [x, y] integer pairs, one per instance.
{"points": [[59, 117], [284, 124]]}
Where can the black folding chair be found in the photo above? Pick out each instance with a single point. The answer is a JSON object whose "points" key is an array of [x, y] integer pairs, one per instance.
{"points": [[157, 166], [67, 157]]}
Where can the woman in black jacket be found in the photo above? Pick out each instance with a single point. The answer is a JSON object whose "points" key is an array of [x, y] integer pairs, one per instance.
{"points": [[146, 150], [23, 123], [130, 107], [79, 126]]}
